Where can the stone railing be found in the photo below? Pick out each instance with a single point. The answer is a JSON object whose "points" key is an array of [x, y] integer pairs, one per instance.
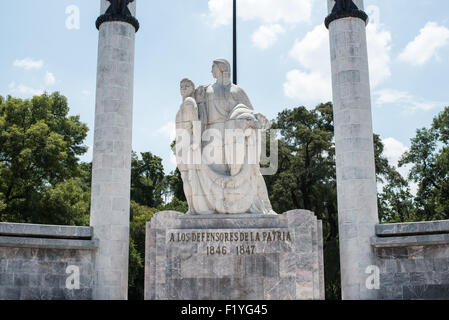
{"points": [[413, 259], [43, 262]]}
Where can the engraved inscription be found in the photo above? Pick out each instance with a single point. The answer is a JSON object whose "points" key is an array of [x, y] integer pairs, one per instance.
{"points": [[223, 243]]}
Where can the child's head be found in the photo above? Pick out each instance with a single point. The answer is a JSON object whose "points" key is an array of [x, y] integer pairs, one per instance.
{"points": [[187, 88]]}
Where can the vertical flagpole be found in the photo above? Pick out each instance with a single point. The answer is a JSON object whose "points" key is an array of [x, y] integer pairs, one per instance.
{"points": [[235, 42]]}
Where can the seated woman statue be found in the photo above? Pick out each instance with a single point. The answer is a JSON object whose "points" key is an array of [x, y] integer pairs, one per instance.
{"points": [[219, 153]]}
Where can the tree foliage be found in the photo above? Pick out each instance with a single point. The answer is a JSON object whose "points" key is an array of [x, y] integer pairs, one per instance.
{"points": [[40, 175], [429, 160], [139, 216], [148, 182], [176, 185], [394, 199]]}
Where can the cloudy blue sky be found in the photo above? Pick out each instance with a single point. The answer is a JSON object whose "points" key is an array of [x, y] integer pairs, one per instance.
{"points": [[283, 59]]}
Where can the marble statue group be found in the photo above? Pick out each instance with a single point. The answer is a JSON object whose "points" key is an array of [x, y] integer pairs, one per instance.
{"points": [[218, 147]]}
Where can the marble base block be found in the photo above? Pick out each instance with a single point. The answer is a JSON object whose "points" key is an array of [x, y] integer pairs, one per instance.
{"points": [[234, 257]]}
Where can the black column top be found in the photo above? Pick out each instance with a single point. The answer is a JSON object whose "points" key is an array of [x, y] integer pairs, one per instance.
{"points": [[118, 11], [345, 9]]}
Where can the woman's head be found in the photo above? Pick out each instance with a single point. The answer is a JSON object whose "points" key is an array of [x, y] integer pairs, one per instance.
{"points": [[221, 68]]}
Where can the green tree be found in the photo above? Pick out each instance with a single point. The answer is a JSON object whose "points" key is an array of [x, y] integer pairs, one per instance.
{"points": [[148, 182], [175, 205], [40, 175], [305, 156], [395, 201], [176, 185], [139, 216], [429, 160]]}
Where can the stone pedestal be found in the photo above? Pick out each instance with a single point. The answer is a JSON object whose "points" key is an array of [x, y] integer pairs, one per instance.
{"points": [[239, 257], [356, 176]]}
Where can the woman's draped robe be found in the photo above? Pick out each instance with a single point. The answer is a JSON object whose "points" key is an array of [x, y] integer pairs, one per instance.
{"points": [[222, 174]]}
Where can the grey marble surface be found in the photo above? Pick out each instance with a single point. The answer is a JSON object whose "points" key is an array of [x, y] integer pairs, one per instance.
{"points": [[405, 241], [413, 260], [20, 242], [34, 260], [48, 231], [31, 272], [412, 228], [264, 257]]}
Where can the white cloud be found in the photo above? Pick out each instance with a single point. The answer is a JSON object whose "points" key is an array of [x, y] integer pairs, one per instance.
{"points": [[268, 11], [379, 47], [28, 64], [307, 87], [85, 92], [24, 90], [414, 187], [267, 35], [425, 46], [168, 130], [387, 96], [173, 160], [312, 52], [393, 150], [408, 101], [49, 79], [220, 12]]}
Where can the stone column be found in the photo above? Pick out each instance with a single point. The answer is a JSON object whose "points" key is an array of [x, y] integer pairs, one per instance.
{"points": [[111, 168], [356, 176]]}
